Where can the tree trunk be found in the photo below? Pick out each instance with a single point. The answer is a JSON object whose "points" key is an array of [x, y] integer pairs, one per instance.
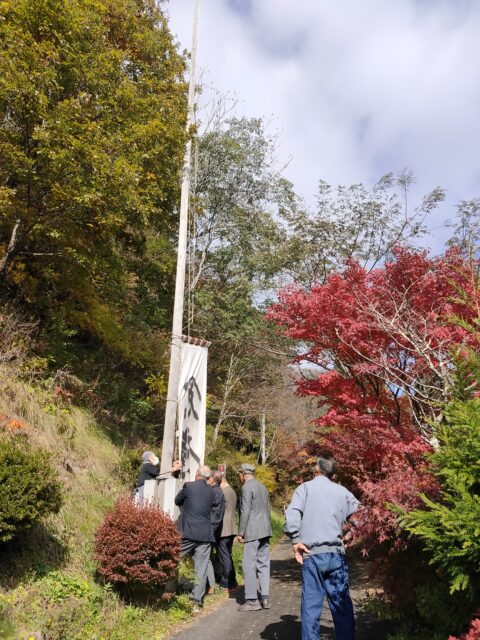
{"points": [[226, 393], [11, 247], [263, 455]]}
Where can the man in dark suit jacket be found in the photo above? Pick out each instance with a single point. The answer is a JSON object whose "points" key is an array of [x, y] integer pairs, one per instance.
{"points": [[201, 514]]}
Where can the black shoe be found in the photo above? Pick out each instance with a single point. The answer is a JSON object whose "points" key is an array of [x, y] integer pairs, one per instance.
{"points": [[265, 602]]}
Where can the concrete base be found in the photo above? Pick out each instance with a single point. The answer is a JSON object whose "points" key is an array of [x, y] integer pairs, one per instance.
{"points": [[161, 493]]}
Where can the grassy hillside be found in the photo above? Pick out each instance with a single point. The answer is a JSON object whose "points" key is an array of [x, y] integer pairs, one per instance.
{"points": [[47, 578]]}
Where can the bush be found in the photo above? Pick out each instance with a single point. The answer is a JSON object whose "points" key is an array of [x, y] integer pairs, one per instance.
{"points": [[29, 487], [137, 545]]}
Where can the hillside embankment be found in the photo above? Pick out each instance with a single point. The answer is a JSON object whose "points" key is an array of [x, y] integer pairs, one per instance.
{"points": [[48, 580]]}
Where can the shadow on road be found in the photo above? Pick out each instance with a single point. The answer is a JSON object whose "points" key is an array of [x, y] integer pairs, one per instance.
{"points": [[288, 627], [286, 571], [282, 620]]}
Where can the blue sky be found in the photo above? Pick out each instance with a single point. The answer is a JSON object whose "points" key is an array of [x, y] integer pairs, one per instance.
{"points": [[356, 88]]}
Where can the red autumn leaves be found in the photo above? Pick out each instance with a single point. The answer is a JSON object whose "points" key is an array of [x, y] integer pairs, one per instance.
{"points": [[137, 545], [379, 348]]}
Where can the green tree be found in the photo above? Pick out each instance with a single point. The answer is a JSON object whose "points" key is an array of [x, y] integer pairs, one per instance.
{"points": [[92, 114], [450, 528], [239, 193], [353, 222]]}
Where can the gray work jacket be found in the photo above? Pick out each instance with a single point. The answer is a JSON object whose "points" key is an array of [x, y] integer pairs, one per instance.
{"points": [[254, 511], [317, 514]]}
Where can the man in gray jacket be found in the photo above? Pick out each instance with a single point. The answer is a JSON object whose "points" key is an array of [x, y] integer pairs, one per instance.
{"points": [[254, 531], [314, 523]]}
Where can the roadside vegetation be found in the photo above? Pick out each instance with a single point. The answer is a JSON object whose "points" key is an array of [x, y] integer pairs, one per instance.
{"points": [[332, 325]]}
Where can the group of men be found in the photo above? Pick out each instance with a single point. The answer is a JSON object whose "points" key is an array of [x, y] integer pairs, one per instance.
{"points": [[207, 520], [314, 522]]}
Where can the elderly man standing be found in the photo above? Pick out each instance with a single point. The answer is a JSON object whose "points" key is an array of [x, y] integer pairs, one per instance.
{"points": [[314, 522], [254, 531], [215, 481], [201, 514], [228, 579]]}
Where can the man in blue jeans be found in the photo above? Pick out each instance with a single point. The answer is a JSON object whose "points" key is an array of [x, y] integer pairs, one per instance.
{"points": [[314, 523]]}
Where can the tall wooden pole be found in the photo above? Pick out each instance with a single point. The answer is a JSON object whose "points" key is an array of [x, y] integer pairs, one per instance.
{"points": [[177, 324]]}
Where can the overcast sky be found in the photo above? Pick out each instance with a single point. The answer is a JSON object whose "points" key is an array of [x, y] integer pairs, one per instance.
{"points": [[356, 88]]}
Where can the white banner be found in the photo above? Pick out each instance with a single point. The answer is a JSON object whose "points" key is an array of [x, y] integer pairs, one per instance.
{"points": [[192, 408]]}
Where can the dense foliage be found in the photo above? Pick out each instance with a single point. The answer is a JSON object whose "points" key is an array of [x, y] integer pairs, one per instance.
{"points": [[450, 528], [382, 345], [29, 487], [92, 113], [137, 545], [390, 347]]}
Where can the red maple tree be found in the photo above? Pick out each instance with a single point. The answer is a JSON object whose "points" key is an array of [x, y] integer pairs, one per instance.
{"points": [[377, 349]]}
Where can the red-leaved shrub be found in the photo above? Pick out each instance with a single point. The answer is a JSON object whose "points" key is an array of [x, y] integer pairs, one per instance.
{"points": [[472, 634], [137, 545]]}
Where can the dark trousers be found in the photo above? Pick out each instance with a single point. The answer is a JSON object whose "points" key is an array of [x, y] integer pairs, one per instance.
{"points": [[200, 552], [326, 574], [228, 580]]}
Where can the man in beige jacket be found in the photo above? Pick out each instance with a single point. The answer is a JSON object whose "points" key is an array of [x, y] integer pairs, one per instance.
{"points": [[228, 579]]}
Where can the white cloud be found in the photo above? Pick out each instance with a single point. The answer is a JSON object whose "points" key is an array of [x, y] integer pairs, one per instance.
{"points": [[355, 88]]}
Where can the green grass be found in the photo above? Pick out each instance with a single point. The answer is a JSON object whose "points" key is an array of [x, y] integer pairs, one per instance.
{"points": [[64, 606], [277, 520], [48, 578]]}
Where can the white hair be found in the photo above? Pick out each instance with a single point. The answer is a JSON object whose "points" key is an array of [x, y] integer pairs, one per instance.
{"points": [[204, 472]]}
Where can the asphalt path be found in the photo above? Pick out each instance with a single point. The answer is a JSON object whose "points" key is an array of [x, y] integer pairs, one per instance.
{"points": [[282, 621]]}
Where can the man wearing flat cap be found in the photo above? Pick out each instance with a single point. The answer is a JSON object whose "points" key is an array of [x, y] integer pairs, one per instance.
{"points": [[254, 531], [314, 522]]}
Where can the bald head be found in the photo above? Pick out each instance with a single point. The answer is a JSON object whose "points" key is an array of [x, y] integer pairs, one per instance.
{"points": [[203, 472]]}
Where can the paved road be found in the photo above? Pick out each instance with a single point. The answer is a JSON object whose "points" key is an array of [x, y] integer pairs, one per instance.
{"points": [[282, 621]]}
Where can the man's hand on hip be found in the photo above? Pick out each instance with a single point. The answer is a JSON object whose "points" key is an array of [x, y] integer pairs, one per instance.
{"points": [[299, 550], [240, 539]]}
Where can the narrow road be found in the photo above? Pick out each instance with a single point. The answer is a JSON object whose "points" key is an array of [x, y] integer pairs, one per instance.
{"points": [[282, 621]]}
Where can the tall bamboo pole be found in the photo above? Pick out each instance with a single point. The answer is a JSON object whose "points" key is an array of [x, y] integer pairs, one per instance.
{"points": [[177, 323]]}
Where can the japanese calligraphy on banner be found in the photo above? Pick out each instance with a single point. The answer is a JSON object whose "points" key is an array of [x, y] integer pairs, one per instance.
{"points": [[192, 407]]}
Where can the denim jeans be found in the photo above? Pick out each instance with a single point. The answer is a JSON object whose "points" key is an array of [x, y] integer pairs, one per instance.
{"points": [[326, 574]]}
